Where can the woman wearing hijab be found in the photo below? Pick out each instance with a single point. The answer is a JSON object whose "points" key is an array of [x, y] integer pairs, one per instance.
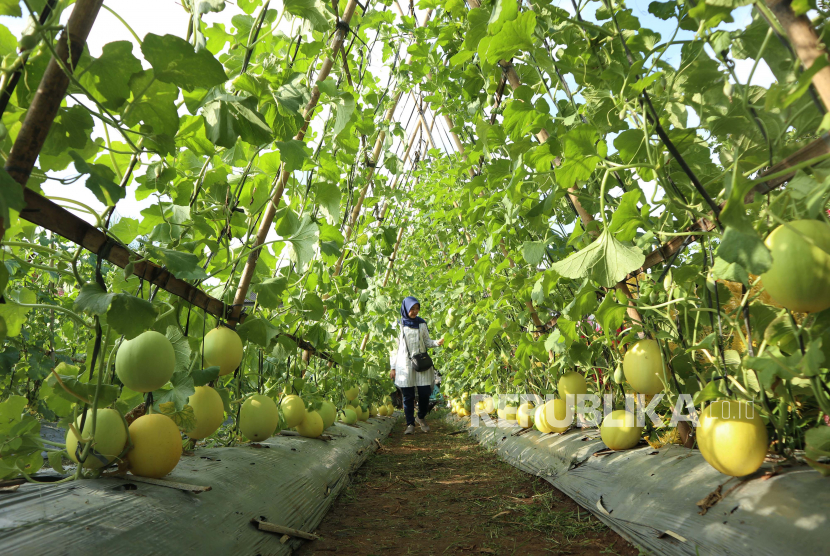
{"points": [[414, 332]]}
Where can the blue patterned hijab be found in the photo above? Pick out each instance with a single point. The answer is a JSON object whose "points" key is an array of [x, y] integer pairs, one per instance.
{"points": [[406, 306]]}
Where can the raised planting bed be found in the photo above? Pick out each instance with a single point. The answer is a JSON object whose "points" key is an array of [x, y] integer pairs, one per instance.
{"points": [[290, 481], [650, 496]]}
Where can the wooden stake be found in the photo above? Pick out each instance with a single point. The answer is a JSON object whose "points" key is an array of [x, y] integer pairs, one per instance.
{"points": [[358, 206], [50, 92], [169, 484], [806, 43], [282, 530], [282, 179], [47, 100]]}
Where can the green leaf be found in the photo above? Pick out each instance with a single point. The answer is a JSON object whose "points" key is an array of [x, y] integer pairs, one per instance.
{"points": [[182, 388], [327, 198], [13, 316], [344, 108], [184, 417], [108, 77], [513, 37], [477, 21], [154, 105], [257, 331], [269, 292], [175, 61], [745, 249], [312, 10], [130, 315], [93, 299], [228, 117], [126, 230], [293, 153], [626, 218], [817, 445], [583, 303], [106, 396], [181, 348], [610, 314], [503, 11], [201, 377], [10, 7], [534, 251], [11, 195], [606, 260], [709, 393], [99, 180], [11, 412], [520, 116], [56, 460], [302, 242], [184, 266]]}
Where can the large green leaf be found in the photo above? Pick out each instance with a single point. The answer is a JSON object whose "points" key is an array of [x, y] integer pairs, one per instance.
{"points": [[315, 11], [606, 260], [175, 61], [130, 315]]}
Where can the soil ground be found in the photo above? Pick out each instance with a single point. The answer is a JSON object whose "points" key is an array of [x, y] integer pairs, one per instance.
{"points": [[436, 493]]}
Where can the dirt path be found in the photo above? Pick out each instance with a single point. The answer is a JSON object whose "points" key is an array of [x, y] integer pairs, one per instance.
{"points": [[438, 494]]}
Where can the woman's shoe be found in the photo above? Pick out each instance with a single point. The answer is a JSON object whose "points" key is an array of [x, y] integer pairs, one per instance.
{"points": [[422, 424], [409, 429]]}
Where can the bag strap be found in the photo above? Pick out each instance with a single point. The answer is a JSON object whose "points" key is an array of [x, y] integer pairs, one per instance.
{"points": [[405, 343]]}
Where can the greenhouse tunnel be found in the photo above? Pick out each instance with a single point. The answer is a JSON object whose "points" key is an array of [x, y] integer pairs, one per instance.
{"points": [[457, 277]]}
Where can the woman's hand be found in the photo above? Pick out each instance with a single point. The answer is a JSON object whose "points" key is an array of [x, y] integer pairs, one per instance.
{"points": [[392, 374], [441, 342]]}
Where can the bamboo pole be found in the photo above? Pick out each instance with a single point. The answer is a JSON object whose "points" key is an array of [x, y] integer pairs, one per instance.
{"points": [[282, 178], [806, 43], [50, 93], [542, 136], [358, 206]]}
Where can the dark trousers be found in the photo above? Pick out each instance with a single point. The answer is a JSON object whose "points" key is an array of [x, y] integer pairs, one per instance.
{"points": [[424, 392]]}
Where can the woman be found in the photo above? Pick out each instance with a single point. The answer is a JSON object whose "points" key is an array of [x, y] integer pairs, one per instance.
{"points": [[416, 338]]}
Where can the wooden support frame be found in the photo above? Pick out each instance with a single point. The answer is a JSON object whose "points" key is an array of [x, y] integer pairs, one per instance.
{"points": [[358, 206], [282, 178], [29, 142]]}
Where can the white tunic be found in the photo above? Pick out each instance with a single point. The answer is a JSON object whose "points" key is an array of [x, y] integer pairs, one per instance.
{"points": [[418, 341]]}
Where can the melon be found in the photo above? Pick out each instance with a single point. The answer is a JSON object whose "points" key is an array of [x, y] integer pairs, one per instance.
{"points": [[293, 410], [619, 430], [390, 409], [348, 416], [157, 446], [364, 414], [556, 416], [732, 437], [643, 367], [328, 412], [352, 393], [382, 411], [799, 278], [110, 438], [223, 349], [539, 420], [146, 362], [312, 426], [258, 418], [524, 415], [571, 383], [209, 412]]}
